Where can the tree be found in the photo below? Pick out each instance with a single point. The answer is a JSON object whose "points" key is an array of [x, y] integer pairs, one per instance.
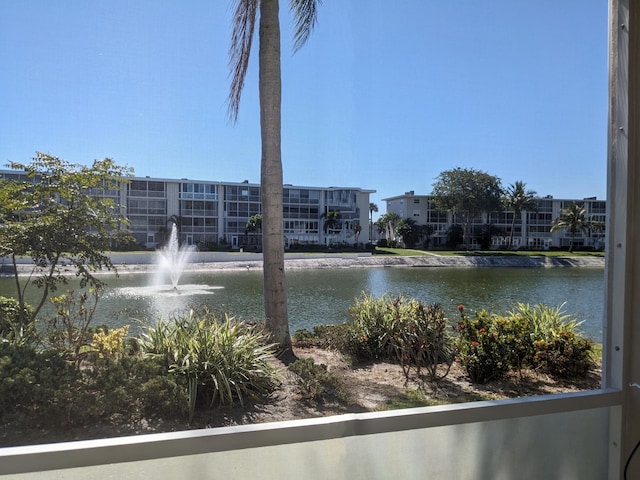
{"points": [[331, 221], [518, 198], [357, 229], [388, 224], [58, 217], [372, 208], [244, 21], [410, 232], [467, 193], [573, 220], [254, 225]]}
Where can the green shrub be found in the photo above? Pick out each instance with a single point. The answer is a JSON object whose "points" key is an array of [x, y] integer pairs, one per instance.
{"points": [[540, 337], [10, 321], [408, 331], [134, 387], [483, 351], [324, 336], [315, 380], [557, 347], [566, 355], [418, 336], [34, 386], [222, 361], [367, 333]]}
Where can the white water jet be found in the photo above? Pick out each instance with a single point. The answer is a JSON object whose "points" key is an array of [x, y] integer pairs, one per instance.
{"points": [[173, 258]]}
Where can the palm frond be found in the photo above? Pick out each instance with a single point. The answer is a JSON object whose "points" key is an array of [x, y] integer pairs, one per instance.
{"points": [[305, 14], [244, 22]]}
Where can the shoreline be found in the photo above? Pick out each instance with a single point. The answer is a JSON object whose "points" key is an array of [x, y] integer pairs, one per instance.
{"points": [[339, 261], [222, 261]]}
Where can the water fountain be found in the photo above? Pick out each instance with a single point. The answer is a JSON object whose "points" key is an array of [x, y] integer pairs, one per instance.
{"points": [[173, 258]]}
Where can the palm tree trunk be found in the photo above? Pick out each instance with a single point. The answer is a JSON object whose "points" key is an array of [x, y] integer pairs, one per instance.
{"points": [[275, 297]]}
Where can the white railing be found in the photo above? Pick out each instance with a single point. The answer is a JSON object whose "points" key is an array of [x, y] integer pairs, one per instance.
{"points": [[563, 436]]}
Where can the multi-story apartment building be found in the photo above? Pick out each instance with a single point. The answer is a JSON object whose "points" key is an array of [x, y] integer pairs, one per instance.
{"points": [[209, 211], [532, 229]]}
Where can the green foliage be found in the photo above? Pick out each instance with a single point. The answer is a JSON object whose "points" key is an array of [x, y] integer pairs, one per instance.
{"points": [[324, 336], [122, 240], [134, 387], [68, 330], [573, 219], [566, 356], [558, 348], [314, 380], [59, 216], [539, 337], [545, 322], [222, 361], [484, 345], [109, 343], [367, 332], [467, 193], [10, 328], [414, 334], [34, 385]]}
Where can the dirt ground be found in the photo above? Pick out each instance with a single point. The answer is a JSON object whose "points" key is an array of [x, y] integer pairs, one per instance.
{"points": [[364, 388]]}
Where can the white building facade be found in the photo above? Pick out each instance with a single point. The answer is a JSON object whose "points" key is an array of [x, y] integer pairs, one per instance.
{"points": [[210, 212], [532, 229]]}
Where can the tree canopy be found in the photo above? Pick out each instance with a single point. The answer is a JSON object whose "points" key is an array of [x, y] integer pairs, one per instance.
{"points": [[57, 214], [467, 193]]}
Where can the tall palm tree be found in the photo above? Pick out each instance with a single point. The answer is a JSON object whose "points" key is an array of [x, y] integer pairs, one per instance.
{"points": [[517, 199], [372, 208], [573, 220], [244, 20]]}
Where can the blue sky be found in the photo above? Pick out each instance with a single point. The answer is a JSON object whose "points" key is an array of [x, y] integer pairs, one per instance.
{"points": [[384, 96]]}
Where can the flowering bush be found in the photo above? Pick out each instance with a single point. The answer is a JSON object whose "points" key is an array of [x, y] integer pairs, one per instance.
{"points": [[109, 343], [482, 349], [566, 355]]}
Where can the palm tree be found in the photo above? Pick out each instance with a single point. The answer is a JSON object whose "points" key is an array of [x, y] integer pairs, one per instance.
{"points": [[389, 221], [270, 82], [573, 220], [517, 199], [357, 228], [331, 220], [254, 225], [372, 208]]}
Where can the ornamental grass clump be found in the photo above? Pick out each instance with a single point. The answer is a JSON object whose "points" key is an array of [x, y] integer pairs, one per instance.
{"points": [[557, 345], [367, 333], [222, 360]]}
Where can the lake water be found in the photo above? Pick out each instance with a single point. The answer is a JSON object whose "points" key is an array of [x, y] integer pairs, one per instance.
{"points": [[323, 296]]}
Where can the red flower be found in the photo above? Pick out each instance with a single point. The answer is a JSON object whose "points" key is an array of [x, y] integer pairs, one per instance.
{"points": [[482, 330], [475, 344], [461, 307]]}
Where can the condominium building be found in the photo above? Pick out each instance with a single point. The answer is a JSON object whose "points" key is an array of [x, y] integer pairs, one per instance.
{"points": [[532, 229], [217, 212]]}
